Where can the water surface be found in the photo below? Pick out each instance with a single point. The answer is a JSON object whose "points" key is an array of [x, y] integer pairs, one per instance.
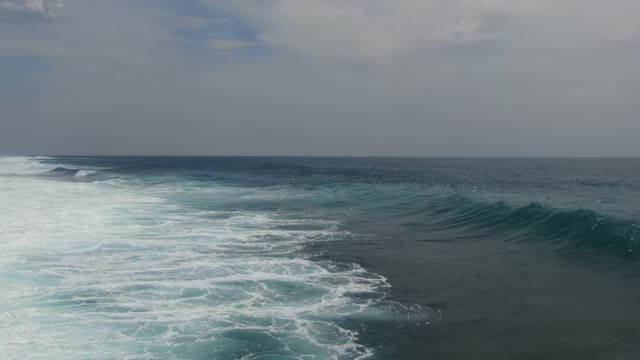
{"points": [[319, 258]]}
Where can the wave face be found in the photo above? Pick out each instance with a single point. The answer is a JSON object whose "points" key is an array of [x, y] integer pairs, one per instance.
{"points": [[237, 258], [164, 267], [572, 230]]}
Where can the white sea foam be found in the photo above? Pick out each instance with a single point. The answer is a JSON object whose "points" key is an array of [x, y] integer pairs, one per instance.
{"points": [[119, 270], [22, 166], [83, 173]]}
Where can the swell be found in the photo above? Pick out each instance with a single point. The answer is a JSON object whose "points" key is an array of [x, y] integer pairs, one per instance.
{"points": [[78, 174], [578, 230], [64, 171]]}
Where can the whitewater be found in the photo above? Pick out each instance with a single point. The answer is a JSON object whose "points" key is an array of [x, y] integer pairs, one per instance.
{"points": [[128, 268]]}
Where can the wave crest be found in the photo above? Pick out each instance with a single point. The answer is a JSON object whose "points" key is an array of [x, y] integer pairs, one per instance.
{"points": [[572, 229]]}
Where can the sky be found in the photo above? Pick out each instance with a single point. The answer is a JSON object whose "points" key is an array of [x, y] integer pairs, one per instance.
{"points": [[320, 77]]}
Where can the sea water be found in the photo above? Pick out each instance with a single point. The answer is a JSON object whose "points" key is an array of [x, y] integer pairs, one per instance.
{"points": [[310, 258]]}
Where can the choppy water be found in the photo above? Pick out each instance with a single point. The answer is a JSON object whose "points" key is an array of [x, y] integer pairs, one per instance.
{"points": [[311, 258]]}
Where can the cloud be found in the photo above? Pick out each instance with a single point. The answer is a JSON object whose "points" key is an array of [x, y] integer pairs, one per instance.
{"points": [[228, 45], [84, 36], [379, 31], [197, 23], [44, 9], [393, 77], [373, 30]]}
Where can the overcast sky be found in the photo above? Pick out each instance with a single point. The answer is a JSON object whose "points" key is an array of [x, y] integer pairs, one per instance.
{"points": [[320, 77]]}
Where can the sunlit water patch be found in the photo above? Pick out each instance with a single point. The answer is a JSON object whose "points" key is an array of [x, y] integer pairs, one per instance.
{"points": [[126, 268]]}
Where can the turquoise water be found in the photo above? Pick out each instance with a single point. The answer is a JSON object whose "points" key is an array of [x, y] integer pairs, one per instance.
{"points": [[168, 267], [310, 258]]}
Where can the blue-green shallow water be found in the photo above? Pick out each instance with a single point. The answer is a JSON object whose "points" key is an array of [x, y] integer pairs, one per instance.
{"points": [[319, 258]]}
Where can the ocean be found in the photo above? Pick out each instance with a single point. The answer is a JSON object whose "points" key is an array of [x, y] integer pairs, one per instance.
{"points": [[319, 258]]}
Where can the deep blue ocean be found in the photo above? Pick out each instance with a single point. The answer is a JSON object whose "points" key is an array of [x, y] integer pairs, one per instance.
{"points": [[319, 258]]}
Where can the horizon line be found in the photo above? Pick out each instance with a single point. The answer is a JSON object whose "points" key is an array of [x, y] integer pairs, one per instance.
{"points": [[338, 156]]}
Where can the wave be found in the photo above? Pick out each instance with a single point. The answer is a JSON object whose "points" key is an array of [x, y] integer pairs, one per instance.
{"points": [[64, 171], [84, 173], [576, 230], [76, 174], [20, 165], [38, 166]]}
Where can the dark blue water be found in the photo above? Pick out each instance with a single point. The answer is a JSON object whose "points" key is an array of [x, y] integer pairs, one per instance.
{"points": [[323, 258]]}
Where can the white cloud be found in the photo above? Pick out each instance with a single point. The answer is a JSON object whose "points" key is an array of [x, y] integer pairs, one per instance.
{"points": [[37, 8]]}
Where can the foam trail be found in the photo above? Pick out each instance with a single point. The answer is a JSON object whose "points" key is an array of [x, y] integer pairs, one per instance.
{"points": [[120, 269]]}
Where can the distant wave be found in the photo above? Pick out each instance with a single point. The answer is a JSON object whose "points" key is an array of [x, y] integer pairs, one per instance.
{"points": [[28, 166], [64, 171], [579, 230], [79, 174], [20, 165], [76, 173]]}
